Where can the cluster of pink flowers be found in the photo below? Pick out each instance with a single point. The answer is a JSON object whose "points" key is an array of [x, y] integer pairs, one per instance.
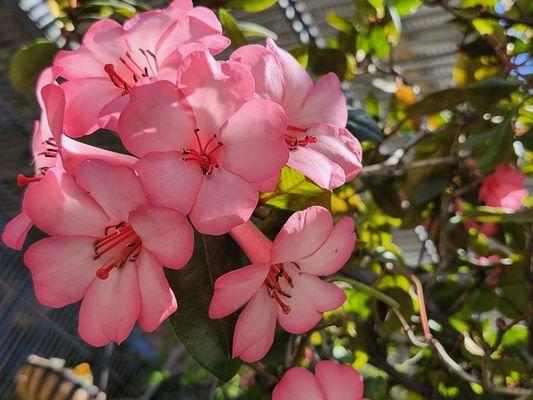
{"points": [[204, 137]]}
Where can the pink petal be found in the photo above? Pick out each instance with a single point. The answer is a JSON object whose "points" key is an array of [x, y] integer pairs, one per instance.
{"points": [[297, 81], [255, 328], [157, 119], [207, 17], [166, 233], [54, 105], [178, 8], [268, 185], [103, 44], [340, 382], [324, 104], [74, 152], [310, 298], [224, 201], [339, 146], [254, 147], [85, 99], [16, 230], [214, 90], [58, 206], [157, 299], [316, 166], [110, 113], [299, 384], [303, 233], [265, 68], [334, 252], [234, 289], [111, 307], [169, 181], [47, 77], [116, 188], [145, 30], [62, 268]]}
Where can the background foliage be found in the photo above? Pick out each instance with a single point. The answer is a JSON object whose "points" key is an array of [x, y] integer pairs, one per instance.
{"points": [[475, 340]]}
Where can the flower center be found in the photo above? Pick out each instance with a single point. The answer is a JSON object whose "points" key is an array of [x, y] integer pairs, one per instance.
{"points": [[273, 286], [142, 66], [298, 137], [204, 154], [122, 237]]}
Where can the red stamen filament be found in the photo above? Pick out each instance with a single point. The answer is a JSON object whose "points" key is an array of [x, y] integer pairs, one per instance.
{"points": [[116, 78], [203, 156], [293, 143], [24, 180], [274, 288], [130, 253]]}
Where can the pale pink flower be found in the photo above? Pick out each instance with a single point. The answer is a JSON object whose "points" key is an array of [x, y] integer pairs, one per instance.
{"points": [[320, 146], [114, 58], [504, 188], [50, 148], [206, 144], [331, 381], [107, 247], [282, 283]]}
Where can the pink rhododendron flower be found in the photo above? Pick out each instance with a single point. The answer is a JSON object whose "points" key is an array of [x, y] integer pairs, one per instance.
{"points": [[107, 247], [50, 148], [205, 144], [283, 283], [330, 382], [504, 188], [320, 146], [114, 58]]}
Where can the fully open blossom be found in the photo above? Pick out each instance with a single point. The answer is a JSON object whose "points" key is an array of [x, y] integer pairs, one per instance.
{"points": [[282, 283], [320, 146], [107, 247], [330, 382], [114, 58], [206, 144], [51, 148], [504, 188]]}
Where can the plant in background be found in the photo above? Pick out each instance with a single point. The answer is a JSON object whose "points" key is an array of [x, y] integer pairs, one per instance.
{"points": [[252, 147]]}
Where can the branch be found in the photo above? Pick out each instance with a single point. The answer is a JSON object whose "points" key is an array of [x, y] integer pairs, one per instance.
{"points": [[385, 169]]}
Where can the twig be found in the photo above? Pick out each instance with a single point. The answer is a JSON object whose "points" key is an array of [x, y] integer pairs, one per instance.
{"points": [[368, 290], [422, 307], [384, 169]]}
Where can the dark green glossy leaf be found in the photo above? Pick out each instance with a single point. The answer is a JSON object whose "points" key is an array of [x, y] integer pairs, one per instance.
{"points": [[208, 341], [28, 62], [362, 126], [323, 61]]}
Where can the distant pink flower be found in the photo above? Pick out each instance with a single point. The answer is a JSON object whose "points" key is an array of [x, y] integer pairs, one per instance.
{"points": [[282, 283], [113, 58], [504, 188], [107, 247], [50, 148], [330, 382], [486, 261], [206, 144], [320, 146], [486, 228]]}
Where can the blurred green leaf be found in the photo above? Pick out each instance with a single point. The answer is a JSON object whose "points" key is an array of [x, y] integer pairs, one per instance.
{"points": [[231, 29], [28, 62], [209, 341], [249, 29], [295, 192], [252, 5], [339, 22], [323, 61]]}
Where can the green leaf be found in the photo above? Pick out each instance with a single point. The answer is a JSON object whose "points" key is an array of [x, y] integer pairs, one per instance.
{"points": [[339, 22], [28, 62], [231, 29], [295, 192], [252, 5], [250, 29], [501, 146], [323, 61], [405, 7], [208, 341], [362, 126], [436, 102], [491, 214], [394, 15]]}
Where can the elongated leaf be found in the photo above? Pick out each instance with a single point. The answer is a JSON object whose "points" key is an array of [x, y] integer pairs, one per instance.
{"points": [[250, 29], [231, 29], [362, 126], [252, 5], [208, 341], [490, 214], [28, 62], [295, 192]]}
